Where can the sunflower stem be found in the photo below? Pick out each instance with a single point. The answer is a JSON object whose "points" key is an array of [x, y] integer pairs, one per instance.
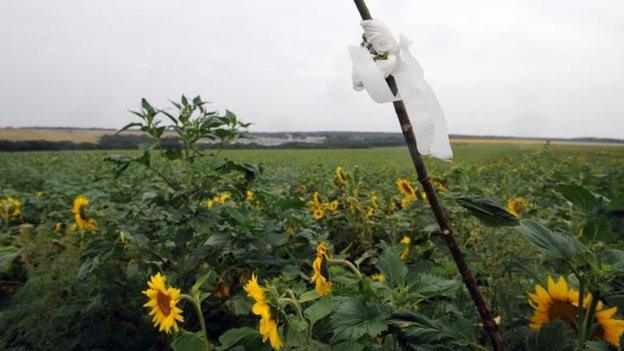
{"points": [[200, 315], [348, 264], [581, 314], [589, 317]]}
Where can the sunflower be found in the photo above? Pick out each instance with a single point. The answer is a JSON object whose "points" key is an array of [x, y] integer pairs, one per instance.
{"points": [[216, 200], [370, 211], [78, 207], [267, 325], [222, 290], [315, 202], [332, 206], [379, 277], [406, 241], [340, 179], [406, 188], [163, 302], [558, 301], [250, 195], [10, 207], [323, 285], [518, 206], [439, 186], [374, 199], [318, 214]]}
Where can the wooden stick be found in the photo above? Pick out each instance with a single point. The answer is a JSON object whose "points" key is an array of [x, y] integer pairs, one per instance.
{"points": [[437, 209]]}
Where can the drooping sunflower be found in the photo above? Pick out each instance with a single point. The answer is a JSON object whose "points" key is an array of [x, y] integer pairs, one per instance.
{"points": [[378, 277], [10, 207], [409, 193], [406, 188], [370, 211], [78, 207], [558, 301], [340, 179], [250, 195], [163, 302], [216, 200], [439, 185], [518, 206], [322, 284], [267, 325], [406, 241], [333, 206]]}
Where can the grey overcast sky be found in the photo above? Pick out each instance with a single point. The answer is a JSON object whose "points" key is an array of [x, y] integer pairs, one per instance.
{"points": [[515, 67]]}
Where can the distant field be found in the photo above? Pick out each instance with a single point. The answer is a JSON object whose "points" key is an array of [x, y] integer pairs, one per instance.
{"points": [[74, 135], [93, 136]]}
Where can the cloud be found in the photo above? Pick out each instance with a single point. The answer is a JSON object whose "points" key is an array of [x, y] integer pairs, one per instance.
{"points": [[497, 67]]}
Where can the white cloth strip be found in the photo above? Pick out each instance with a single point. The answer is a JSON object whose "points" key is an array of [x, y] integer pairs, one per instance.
{"points": [[430, 127]]}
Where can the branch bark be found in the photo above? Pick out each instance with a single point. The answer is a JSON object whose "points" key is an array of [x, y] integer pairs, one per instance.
{"points": [[437, 209]]}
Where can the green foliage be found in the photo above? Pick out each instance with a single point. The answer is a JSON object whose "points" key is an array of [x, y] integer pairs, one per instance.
{"points": [[487, 210], [164, 209], [357, 317]]}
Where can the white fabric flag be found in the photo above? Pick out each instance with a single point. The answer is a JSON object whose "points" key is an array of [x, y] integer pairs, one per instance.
{"points": [[422, 106]]}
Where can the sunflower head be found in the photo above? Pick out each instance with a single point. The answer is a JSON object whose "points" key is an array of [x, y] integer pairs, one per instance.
{"points": [[10, 207], [250, 195], [333, 206], [80, 219], [374, 199], [340, 179], [558, 301], [318, 214], [379, 277], [322, 284], [406, 188], [518, 206], [440, 185], [163, 304], [267, 325]]}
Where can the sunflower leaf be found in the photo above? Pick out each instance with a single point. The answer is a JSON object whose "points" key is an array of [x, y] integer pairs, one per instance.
{"points": [[357, 317], [487, 211], [233, 336], [552, 244]]}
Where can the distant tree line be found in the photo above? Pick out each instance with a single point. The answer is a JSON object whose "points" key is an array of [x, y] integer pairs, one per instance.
{"points": [[292, 140]]}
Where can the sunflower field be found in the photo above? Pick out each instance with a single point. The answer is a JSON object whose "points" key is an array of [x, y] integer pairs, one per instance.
{"points": [[193, 248]]}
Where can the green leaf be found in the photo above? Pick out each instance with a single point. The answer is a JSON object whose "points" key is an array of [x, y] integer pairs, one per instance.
{"points": [[233, 336], [487, 211], [319, 310], [555, 336], [144, 159], [8, 254], [356, 317], [173, 154], [555, 245], [597, 229], [597, 346], [422, 330], [577, 195], [613, 257], [146, 105], [392, 267], [308, 296], [204, 281], [130, 125], [428, 285], [187, 342]]}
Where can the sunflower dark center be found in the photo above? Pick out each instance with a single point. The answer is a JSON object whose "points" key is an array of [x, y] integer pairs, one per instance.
{"points": [[407, 189], [164, 302], [564, 311]]}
